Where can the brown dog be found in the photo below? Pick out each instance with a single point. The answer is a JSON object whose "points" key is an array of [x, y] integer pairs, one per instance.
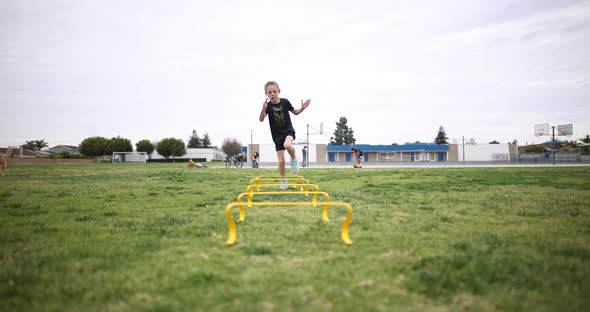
{"points": [[4, 160]]}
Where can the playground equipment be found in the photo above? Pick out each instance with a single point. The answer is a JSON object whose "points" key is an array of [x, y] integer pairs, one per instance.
{"points": [[298, 182]]}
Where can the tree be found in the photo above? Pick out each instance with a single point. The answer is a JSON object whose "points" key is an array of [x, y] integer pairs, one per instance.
{"points": [[145, 146], [30, 145], [585, 150], [343, 134], [94, 146], [41, 144], [494, 142], [206, 142], [171, 147], [194, 140], [568, 146], [231, 147], [533, 149], [119, 144], [441, 136], [35, 144]]}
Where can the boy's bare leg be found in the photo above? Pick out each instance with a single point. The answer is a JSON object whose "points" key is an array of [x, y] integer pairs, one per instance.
{"points": [[289, 147], [281, 156]]}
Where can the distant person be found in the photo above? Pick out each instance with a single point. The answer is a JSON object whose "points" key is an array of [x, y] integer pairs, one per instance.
{"points": [[255, 157], [304, 151], [193, 164], [358, 155], [281, 129]]}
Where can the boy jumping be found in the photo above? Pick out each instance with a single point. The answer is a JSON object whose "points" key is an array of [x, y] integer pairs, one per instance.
{"points": [[281, 129]]}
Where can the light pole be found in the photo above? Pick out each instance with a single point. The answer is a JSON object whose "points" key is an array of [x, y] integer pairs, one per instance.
{"points": [[320, 132], [463, 150], [553, 143]]}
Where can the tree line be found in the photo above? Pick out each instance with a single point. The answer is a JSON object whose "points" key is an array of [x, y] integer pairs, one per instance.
{"points": [[99, 146]]}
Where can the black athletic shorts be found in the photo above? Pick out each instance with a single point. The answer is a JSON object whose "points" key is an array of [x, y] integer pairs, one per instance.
{"points": [[280, 141]]}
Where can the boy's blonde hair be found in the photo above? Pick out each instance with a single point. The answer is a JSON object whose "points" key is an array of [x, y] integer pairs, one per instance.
{"points": [[270, 83]]}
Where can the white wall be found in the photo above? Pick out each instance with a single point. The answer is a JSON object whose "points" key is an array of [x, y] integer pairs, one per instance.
{"points": [[207, 153], [484, 152], [269, 154], [129, 157]]}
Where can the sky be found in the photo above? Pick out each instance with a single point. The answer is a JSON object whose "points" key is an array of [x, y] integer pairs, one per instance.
{"points": [[397, 70]]}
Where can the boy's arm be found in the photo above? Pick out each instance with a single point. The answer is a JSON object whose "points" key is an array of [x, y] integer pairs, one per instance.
{"points": [[263, 111], [304, 105]]}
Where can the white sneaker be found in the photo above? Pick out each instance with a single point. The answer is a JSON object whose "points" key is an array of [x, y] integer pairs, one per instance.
{"points": [[294, 168], [284, 185]]}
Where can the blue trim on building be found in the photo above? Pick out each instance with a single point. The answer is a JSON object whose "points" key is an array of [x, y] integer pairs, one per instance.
{"points": [[413, 147]]}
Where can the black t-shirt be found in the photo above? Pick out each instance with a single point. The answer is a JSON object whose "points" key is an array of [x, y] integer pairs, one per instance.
{"points": [[357, 151], [279, 118]]}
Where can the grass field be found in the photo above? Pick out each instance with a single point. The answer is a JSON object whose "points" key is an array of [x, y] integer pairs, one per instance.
{"points": [[152, 238]]}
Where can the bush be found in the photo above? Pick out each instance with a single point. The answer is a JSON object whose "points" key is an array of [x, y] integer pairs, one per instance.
{"points": [[534, 149], [171, 147], [145, 146], [231, 147], [118, 144], [94, 146]]}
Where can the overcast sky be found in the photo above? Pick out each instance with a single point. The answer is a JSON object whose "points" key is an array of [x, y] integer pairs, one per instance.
{"points": [[397, 70]]}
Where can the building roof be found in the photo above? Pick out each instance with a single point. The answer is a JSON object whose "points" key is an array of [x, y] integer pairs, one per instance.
{"points": [[26, 153], [413, 147], [4, 150], [553, 141], [72, 148]]}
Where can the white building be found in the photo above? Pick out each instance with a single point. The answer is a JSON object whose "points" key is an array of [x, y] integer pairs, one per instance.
{"points": [[268, 152], [484, 152], [209, 154]]}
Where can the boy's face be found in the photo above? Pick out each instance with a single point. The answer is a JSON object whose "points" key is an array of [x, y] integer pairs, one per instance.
{"points": [[272, 91]]}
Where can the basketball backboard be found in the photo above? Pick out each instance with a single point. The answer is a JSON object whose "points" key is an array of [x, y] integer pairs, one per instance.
{"points": [[542, 129], [565, 129]]}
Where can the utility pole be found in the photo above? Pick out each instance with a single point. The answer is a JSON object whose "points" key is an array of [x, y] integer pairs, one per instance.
{"points": [[306, 164], [251, 143], [553, 143], [463, 150], [320, 131]]}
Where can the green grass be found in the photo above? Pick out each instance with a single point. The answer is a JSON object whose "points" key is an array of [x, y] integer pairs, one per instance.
{"points": [[152, 237]]}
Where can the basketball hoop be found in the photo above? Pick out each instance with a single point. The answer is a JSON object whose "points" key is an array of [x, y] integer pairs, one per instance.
{"points": [[542, 129], [567, 130]]}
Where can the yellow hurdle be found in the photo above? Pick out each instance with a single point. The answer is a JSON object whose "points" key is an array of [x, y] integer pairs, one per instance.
{"points": [[232, 224], [276, 175], [298, 180], [306, 187], [314, 201]]}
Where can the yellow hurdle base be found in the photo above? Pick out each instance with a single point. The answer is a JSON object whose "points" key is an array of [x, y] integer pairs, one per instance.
{"points": [[232, 224]]}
